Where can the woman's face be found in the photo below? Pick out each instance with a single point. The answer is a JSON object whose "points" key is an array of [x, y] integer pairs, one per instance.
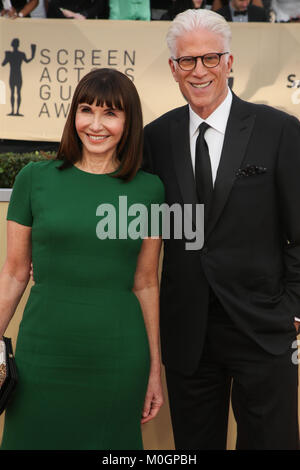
{"points": [[99, 128], [197, 3]]}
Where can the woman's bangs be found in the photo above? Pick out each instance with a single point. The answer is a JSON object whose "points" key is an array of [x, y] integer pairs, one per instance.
{"points": [[104, 93]]}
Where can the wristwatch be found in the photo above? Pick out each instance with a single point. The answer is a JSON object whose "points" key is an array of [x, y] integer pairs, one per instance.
{"points": [[20, 14]]}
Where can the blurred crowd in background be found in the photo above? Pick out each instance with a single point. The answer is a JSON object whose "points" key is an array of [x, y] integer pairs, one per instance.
{"points": [[232, 10]]}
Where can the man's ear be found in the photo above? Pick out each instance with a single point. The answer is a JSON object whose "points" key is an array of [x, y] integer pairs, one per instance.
{"points": [[229, 64], [173, 69]]}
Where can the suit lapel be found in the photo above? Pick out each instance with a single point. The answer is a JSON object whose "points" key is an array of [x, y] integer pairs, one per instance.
{"points": [[238, 131]]}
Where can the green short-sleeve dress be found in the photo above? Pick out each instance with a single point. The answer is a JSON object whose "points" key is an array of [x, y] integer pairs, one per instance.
{"points": [[82, 350]]}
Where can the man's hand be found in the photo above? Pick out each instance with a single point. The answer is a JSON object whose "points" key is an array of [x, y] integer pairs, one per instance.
{"points": [[297, 325], [12, 13]]}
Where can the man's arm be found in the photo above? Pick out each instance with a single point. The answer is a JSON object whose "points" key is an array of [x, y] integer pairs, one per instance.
{"points": [[288, 180], [29, 7]]}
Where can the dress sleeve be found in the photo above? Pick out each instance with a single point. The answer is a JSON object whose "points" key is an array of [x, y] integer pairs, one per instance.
{"points": [[19, 209]]}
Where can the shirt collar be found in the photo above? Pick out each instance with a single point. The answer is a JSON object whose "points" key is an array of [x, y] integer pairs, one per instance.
{"points": [[217, 120]]}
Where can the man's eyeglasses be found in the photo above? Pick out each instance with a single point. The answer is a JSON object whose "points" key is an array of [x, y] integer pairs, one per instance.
{"points": [[209, 60]]}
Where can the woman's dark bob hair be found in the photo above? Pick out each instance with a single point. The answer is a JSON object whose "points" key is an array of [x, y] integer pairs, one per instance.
{"points": [[113, 89]]}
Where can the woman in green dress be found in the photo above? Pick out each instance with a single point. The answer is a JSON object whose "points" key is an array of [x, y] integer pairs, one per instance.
{"points": [[88, 345]]}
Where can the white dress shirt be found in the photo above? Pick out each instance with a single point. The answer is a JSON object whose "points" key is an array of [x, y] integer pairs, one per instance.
{"points": [[214, 136]]}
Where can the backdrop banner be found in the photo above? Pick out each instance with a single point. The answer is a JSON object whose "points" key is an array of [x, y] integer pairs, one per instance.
{"points": [[42, 60]]}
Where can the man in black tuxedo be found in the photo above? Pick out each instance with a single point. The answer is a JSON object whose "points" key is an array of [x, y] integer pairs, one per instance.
{"points": [[228, 309], [241, 11]]}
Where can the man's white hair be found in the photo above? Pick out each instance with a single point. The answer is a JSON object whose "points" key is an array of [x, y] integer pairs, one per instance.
{"points": [[191, 20]]}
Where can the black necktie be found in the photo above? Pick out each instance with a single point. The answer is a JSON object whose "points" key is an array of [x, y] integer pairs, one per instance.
{"points": [[242, 12], [203, 174]]}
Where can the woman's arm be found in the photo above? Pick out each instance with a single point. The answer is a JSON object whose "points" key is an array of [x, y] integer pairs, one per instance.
{"points": [[14, 275], [146, 289]]}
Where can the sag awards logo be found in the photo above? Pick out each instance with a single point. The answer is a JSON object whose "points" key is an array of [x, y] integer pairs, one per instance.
{"points": [[56, 73], [294, 84], [15, 59]]}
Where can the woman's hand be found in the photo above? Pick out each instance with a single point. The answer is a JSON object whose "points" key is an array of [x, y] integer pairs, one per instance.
{"points": [[154, 397], [72, 14], [78, 16]]}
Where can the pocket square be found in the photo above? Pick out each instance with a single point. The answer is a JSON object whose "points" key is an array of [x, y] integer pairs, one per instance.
{"points": [[250, 170]]}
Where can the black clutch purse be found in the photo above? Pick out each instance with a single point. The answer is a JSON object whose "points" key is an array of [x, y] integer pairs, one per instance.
{"points": [[8, 373]]}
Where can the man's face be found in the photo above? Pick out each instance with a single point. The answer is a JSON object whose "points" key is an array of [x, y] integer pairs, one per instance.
{"points": [[197, 3], [240, 5], [204, 88]]}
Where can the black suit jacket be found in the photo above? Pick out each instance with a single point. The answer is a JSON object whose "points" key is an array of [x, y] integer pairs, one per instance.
{"points": [[251, 254], [255, 14]]}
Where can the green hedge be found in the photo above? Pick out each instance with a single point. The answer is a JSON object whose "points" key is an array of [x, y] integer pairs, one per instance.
{"points": [[12, 163]]}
